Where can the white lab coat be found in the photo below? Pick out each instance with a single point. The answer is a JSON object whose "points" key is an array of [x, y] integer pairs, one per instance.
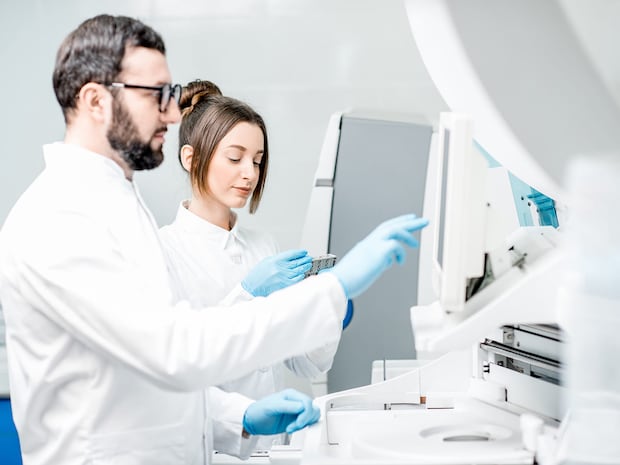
{"points": [[209, 263], [102, 367]]}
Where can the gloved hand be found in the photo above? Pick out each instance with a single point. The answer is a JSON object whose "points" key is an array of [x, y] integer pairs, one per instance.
{"points": [[277, 272], [284, 411], [349, 315], [374, 254]]}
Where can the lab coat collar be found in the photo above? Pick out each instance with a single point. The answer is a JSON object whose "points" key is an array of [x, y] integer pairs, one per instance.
{"points": [[70, 157], [194, 224]]}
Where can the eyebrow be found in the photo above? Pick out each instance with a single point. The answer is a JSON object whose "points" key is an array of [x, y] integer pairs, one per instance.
{"points": [[241, 147]]}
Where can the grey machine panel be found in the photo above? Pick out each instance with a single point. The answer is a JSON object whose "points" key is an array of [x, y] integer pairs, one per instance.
{"points": [[380, 173]]}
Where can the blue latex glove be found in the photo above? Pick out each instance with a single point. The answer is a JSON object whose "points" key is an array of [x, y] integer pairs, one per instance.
{"points": [[285, 411], [277, 272], [349, 315], [370, 257]]}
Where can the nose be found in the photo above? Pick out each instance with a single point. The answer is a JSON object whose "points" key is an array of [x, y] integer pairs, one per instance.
{"points": [[248, 169], [172, 115]]}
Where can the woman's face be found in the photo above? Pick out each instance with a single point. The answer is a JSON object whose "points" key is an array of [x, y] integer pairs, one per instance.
{"points": [[235, 165]]}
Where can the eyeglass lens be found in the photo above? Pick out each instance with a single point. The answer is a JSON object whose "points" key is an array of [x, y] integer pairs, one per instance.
{"points": [[169, 92]]}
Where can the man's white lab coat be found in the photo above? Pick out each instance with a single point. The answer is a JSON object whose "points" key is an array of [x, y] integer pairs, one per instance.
{"points": [[208, 263], [103, 368]]}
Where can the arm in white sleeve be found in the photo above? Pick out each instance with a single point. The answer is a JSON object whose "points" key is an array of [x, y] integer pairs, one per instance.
{"points": [[226, 410], [315, 362], [78, 277], [309, 365], [236, 295]]}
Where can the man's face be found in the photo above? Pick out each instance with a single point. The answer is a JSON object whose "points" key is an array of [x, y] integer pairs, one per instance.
{"points": [[124, 137], [138, 128]]}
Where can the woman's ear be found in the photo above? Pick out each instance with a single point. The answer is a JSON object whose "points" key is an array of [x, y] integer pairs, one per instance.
{"points": [[187, 152]]}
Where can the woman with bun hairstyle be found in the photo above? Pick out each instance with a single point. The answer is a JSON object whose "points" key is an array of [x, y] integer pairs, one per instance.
{"points": [[223, 146]]}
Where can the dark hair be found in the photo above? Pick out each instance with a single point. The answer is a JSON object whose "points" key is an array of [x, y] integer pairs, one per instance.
{"points": [[207, 116], [94, 53]]}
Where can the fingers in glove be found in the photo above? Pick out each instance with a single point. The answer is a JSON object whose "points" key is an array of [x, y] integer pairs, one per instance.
{"points": [[404, 237], [416, 224], [308, 408], [309, 416], [297, 278], [291, 254], [286, 407], [396, 252], [408, 222], [396, 222], [301, 268], [291, 264]]}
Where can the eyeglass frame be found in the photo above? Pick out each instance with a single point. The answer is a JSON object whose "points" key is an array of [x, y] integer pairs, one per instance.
{"points": [[174, 91]]}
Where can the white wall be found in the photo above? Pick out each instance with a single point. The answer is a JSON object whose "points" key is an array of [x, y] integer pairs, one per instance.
{"points": [[295, 61]]}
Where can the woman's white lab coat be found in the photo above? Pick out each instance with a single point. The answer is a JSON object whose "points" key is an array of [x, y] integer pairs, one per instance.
{"points": [[103, 368], [209, 263]]}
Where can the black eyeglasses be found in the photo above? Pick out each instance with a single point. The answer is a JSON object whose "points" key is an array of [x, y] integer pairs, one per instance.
{"points": [[167, 92]]}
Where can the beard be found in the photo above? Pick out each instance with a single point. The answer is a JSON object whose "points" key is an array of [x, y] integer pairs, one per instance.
{"points": [[123, 137]]}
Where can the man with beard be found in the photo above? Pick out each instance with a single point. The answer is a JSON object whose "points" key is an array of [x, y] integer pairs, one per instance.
{"points": [[104, 368]]}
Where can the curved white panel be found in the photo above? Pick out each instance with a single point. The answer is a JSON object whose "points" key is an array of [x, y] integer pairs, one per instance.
{"points": [[459, 85], [518, 69]]}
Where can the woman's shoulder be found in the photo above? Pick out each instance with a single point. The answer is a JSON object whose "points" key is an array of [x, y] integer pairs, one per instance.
{"points": [[172, 229], [169, 233]]}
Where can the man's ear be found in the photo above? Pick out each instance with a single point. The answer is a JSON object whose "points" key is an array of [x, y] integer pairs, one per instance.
{"points": [[94, 99], [187, 152]]}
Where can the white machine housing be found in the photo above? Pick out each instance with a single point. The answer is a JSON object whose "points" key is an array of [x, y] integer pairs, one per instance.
{"points": [[489, 391]]}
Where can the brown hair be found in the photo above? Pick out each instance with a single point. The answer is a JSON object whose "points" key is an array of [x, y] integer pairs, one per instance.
{"points": [[207, 116], [94, 52]]}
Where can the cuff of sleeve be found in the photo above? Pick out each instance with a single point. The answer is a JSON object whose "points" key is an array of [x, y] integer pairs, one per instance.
{"points": [[339, 293], [236, 295], [228, 431], [323, 357]]}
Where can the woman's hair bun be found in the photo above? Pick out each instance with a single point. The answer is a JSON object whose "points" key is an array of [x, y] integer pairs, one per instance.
{"points": [[195, 92]]}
